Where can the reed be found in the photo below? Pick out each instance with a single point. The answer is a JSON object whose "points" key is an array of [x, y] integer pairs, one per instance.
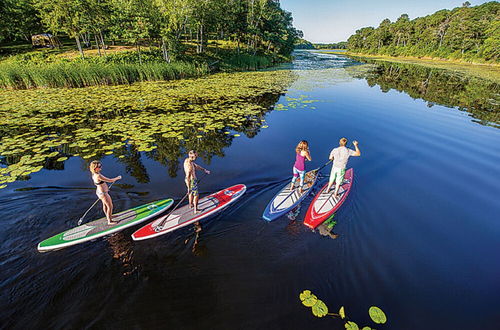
{"points": [[81, 74]]}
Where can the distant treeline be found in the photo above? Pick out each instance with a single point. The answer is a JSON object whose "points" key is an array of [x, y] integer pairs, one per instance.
{"points": [[338, 45], [304, 44], [256, 26], [467, 33]]}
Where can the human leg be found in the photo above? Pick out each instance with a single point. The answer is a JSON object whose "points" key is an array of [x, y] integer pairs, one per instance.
{"points": [[294, 177], [302, 174], [331, 180], [339, 180], [108, 207]]}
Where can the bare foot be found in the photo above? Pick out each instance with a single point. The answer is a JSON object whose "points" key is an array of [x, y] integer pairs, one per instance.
{"points": [[335, 197], [195, 211], [300, 191]]}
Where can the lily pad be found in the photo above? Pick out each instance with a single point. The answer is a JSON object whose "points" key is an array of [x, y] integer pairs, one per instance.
{"points": [[377, 315], [307, 298], [342, 312], [351, 325], [319, 309]]}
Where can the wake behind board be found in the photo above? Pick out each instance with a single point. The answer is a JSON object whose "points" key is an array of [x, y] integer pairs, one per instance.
{"points": [[99, 228], [184, 215], [324, 205], [287, 199]]}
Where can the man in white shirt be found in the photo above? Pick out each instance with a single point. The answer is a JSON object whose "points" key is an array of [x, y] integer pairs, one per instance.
{"points": [[340, 156]]}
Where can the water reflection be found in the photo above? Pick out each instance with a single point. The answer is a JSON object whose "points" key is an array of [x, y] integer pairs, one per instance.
{"points": [[122, 248], [41, 129], [480, 97]]}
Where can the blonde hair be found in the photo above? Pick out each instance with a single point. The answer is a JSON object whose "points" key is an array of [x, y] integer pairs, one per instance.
{"points": [[93, 165], [303, 145], [343, 142]]}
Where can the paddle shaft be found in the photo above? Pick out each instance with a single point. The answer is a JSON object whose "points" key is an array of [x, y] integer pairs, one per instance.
{"points": [[90, 208], [160, 225], [316, 170]]}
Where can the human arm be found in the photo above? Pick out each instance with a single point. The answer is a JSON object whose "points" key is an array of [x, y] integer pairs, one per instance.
{"points": [[188, 170], [357, 152], [105, 179], [331, 155], [201, 168], [307, 154]]}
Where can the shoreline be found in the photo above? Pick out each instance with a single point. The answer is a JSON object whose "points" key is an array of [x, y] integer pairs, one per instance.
{"points": [[489, 71]]}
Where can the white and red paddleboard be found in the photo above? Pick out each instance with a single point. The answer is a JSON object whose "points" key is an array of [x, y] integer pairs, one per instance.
{"points": [[184, 216], [324, 205]]}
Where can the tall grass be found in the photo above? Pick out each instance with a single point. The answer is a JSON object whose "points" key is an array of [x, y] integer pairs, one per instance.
{"points": [[78, 74], [246, 62]]}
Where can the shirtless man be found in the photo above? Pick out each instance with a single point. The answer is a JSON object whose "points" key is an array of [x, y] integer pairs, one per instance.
{"points": [[190, 169]]}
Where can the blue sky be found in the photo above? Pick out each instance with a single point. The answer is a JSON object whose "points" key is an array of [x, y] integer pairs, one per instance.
{"points": [[334, 20]]}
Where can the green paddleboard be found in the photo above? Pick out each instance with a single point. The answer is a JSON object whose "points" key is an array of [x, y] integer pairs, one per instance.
{"points": [[99, 228]]}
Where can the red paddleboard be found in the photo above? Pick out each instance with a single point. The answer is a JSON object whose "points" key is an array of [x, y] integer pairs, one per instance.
{"points": [[324, 205], [184, 216]]}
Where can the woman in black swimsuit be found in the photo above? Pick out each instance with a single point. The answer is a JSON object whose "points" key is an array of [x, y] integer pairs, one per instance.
{"points": [[102, 189]]}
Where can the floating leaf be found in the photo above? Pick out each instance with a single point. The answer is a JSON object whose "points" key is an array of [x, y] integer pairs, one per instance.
{"points": [[377, 315], [367, 328], [307, 298], [3, 186], [342, 312], [61, 159], [351, 326], [319, 309]]}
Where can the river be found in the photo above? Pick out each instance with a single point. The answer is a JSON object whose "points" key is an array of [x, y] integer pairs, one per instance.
{"points": [[418, 235]]}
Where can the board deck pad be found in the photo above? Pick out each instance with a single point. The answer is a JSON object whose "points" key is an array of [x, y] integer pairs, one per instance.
{"points": [[286, 199], [184, 216], [324, 204], [100, 227]]}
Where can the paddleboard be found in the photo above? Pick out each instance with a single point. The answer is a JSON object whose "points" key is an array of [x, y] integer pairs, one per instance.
{"points": [[324, 205], [286, 199], [184, 216], [99, 228]]}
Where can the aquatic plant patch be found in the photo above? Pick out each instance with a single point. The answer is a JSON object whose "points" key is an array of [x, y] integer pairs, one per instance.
{"points": [[43, 128]]}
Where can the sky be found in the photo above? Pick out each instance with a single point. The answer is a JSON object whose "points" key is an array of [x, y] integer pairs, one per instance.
{"points": [[324, 21]]}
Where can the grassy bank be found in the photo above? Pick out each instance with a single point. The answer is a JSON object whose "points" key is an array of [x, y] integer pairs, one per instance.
{"points": [[481, 70], [121, 65]]}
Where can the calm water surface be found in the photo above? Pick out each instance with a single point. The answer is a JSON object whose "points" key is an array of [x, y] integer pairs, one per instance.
{"points": [[418, 235]]}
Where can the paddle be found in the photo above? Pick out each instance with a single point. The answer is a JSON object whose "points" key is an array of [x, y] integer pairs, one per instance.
{"points": [[159, 227], [83, 216], [316, 170]]}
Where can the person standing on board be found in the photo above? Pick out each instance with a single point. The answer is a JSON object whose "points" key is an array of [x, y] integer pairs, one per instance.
{"points": [[340, 156], [190, 169], [299, 168], [102, 189]]}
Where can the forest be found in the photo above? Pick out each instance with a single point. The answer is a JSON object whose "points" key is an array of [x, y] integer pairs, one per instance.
{"points": [[254, 25], [463, 33]]}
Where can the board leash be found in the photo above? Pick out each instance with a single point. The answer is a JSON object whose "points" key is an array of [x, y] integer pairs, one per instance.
{"points": [[90, 208], [159, 227]]}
